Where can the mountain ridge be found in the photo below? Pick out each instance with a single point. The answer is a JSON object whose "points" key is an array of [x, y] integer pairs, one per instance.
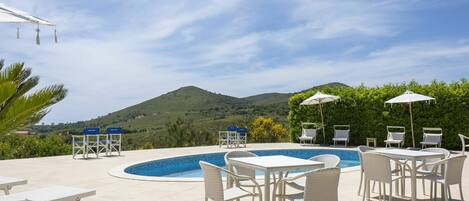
{"points": [[205, 109]]}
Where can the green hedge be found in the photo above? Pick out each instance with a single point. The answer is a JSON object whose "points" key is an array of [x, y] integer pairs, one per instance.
{"points": [[29, 146], [364, 110]]}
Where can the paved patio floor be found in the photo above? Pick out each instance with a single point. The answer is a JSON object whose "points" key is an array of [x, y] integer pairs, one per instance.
{"points": [[93, 173]]}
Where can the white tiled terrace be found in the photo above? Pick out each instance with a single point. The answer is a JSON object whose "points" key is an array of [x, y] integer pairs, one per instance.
{"points": [[93, 173]]}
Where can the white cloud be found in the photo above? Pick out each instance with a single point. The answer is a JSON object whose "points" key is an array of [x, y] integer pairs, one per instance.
{"points": [[115, 54]]}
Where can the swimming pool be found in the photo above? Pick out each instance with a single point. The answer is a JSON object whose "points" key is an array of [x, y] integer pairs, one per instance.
{"points": [[188, 166]]}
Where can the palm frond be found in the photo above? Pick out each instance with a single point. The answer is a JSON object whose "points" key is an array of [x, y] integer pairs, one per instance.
{"points": [[17, 108]]}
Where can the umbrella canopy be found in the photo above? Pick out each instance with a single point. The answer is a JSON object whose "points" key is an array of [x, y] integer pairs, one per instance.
{"points": [[12, 15], [318, 99], [409, 97]]}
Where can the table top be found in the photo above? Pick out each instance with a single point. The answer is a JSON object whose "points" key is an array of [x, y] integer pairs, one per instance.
{"points": [[276, 162], [404, 153]]}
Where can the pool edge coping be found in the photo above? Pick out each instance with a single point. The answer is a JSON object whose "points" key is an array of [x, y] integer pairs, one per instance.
{"points": [[119, 171]]}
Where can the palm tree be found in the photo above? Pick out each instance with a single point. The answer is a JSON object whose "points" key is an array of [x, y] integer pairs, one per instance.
{"points": [[18, 108]]}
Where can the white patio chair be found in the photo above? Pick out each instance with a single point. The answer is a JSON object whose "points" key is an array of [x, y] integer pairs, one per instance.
{"points": [[341, 134], [214, 184], [54, 193], [361, 150], [396, 135], [329, 160], [463, 142], [453, 167], [308, 134], [320, 185], [7, 183], [378, 168], [427, 166], [432, 137], [244, 171], [114, 140]]}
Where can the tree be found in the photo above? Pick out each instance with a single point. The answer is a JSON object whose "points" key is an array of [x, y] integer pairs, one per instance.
{"points": [[18, 106], [264, 129]]}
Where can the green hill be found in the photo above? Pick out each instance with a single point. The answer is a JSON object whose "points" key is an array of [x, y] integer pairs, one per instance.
{"points": [[204, 110], [268, 98]]}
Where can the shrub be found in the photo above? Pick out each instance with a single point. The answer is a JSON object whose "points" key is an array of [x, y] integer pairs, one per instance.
{"points": [[363, 108], [264, 129], [16, 146]]}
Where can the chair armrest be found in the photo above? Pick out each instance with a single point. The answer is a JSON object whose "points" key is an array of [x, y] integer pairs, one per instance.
{"points": [[289, 179], [438, 163], [402, 163], [237, 177], [463, 136]]}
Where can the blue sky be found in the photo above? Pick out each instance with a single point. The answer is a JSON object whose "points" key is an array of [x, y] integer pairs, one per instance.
{"points": [[115, 53]]}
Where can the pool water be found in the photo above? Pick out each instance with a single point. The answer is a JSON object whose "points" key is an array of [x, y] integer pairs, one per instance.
{"points": [[188, 166]]}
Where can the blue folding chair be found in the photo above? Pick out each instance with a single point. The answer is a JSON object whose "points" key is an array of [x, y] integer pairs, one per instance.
{"points": [[114, 140], [94, 144], [242, 136], [232, 136]]}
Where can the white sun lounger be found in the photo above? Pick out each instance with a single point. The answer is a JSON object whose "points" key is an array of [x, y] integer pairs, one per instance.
{"points": [[54, 193], [308, 134], [6, 183]]}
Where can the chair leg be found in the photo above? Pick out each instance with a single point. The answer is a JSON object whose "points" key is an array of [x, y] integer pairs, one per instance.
{"points": [[445, 189], [423, 185], [361, 181], [373, 188], [460, 192], [7, 190], [253, 191], [390, 191], [431, 190], [384, 190], [449, 192], [366, 191]]}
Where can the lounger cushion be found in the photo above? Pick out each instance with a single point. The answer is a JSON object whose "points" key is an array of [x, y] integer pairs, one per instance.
{"points": [[393, 141], [430, 143], [305, 138], [339, 139], [10, 181], [54, 193]]}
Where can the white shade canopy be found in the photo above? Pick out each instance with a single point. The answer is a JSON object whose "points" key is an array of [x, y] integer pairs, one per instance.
{"points": [[13, 15], [409, 97], [9, 14], [7, 17], [319, 98]]}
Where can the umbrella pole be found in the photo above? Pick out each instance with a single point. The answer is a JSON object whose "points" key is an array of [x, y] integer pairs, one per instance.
{"points": [[322, 120], [412, 125]]}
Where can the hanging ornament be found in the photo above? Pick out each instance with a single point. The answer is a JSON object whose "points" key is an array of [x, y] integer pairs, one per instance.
{"points": [[38, 41], [55, 34]]}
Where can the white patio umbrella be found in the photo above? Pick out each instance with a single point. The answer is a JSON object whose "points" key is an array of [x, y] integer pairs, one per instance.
{"points": [[12, 15], [318, 99], [410, 97]]}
